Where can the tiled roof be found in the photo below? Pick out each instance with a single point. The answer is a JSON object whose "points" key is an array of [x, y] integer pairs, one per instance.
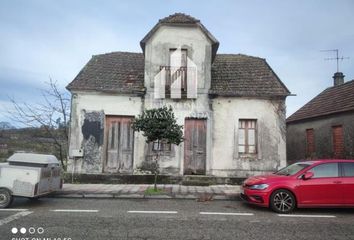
{"points": [[332, 100], [242, 75], [232, 75], [179, 18], [121, 72]]}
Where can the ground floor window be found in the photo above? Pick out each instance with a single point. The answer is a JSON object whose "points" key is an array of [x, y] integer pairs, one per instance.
{"points": [[247, 136], [159, 145]]}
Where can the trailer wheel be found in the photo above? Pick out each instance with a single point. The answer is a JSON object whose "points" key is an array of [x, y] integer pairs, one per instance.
{"points": [[6, 198]]}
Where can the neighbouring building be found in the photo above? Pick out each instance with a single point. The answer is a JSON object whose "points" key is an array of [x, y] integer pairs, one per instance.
{"points": [[232, 106], [324, 127]]}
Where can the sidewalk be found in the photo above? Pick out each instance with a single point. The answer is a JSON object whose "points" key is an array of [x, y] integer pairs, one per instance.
{"points": [[215, 192]]}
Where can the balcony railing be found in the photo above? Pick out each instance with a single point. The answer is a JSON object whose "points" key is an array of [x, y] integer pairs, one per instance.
{"points": [[173, 74]]}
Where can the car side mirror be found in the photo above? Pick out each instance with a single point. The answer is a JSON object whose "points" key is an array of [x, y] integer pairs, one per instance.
{"points": [[307, 175]]}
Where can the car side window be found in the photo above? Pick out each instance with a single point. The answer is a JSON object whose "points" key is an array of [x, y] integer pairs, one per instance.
{"points": [[348, 169], [325, 170]]}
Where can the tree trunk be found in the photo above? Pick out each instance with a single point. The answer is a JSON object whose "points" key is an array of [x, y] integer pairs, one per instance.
{"points": [[156, 170]]}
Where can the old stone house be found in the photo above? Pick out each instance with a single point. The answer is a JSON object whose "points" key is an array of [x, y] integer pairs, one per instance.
{"points": [[324, 127], [232, 106]]}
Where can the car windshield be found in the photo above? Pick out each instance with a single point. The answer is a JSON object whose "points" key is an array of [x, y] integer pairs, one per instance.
{"points": [[292, 169]]}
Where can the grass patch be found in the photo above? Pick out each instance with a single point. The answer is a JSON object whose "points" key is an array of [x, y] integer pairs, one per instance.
{"points": [[151, 191]]}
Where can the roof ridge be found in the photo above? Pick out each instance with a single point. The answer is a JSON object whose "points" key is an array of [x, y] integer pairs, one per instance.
{"points": [[108, 53], [239, 54], [324, 103], [179, 17], [340, 85]]}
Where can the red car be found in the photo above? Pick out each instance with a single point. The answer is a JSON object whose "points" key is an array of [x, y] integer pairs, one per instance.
{"points": [[320, 183]]}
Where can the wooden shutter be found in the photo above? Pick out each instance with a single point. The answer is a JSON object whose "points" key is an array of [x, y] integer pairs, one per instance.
{"points": [[310, 141], [338, 141]]}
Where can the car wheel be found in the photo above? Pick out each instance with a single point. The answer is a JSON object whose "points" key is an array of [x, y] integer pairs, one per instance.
{"points": [[282, 201], [5, 198]]}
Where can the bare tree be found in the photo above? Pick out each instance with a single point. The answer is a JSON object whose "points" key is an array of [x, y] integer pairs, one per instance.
{"points": [[52, 115]]}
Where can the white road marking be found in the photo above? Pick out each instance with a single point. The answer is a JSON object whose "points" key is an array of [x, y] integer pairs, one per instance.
{"points": [[226, 213], [306, 216], [162, 212], [12, 209], [14, 217], [75, 210]]}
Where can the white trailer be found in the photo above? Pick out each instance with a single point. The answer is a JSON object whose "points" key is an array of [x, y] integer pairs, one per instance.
{"points": [[28, 175]]}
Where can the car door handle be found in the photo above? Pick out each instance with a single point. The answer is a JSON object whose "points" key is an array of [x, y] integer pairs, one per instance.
{"points": [[337, 182]]}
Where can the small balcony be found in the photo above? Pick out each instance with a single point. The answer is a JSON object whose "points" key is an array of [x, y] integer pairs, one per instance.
{"points": [[187, 81], [173, 74]]}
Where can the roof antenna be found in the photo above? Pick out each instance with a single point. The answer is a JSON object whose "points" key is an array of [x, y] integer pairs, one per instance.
{"points": [[335, 58]]}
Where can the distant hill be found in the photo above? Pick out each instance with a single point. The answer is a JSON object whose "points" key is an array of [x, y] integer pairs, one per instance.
{"points": [[6, 126], [25, 139]]}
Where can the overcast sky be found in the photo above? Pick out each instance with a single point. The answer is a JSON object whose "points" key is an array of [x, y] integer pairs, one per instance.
{"points": [[42, 39]]}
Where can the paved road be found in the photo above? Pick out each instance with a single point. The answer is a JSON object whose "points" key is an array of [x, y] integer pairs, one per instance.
{"points": [[102, 219]]}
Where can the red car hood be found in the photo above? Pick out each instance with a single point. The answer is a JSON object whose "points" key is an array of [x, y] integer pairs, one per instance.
{"points": [[263, 179]]}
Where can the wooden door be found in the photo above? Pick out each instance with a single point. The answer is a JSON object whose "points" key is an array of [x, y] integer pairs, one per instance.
{"points": [[194, 146], [119, 144]]}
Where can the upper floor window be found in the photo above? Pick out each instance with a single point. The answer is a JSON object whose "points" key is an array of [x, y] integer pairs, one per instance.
{"points": [[178, 58], [179, 77], [247, 136]]}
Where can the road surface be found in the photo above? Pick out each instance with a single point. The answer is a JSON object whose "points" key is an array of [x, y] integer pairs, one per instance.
{"points": [[77, 219]]}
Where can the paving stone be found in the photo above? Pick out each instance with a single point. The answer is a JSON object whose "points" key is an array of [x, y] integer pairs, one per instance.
{"points": [[191, 189], [137, 191], [175, 188], [98, 196], [217, 190], [183, 189], [184, 196], [208, 190], [129, 196], [158, 196], [134, 189]]}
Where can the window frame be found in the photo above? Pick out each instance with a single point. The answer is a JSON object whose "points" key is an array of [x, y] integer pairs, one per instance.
{"points": [[160, 144], [246, 136], [341, 154], [341, 165]]}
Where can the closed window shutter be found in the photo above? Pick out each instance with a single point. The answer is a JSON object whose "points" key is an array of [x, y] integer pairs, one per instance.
{"points": [[338, 142]]}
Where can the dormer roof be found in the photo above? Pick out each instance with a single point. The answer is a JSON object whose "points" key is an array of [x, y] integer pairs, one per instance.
{"points": [[181, 19]]}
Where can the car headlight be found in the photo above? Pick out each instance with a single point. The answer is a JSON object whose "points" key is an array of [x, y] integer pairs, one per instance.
{"points": [[259, 186]]}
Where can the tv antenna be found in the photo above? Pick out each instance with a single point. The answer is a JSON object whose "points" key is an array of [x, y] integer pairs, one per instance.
{"points": [[337, 58]]}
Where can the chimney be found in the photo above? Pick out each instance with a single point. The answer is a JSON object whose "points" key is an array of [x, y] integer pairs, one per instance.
{"points": [[338, 78]]}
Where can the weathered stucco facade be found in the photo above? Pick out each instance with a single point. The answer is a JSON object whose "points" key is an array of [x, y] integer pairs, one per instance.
{"points": [[117, 87]]}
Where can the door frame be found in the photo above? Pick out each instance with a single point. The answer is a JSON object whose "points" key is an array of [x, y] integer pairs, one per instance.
{"points": [[105, 140], [205, 120]]}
